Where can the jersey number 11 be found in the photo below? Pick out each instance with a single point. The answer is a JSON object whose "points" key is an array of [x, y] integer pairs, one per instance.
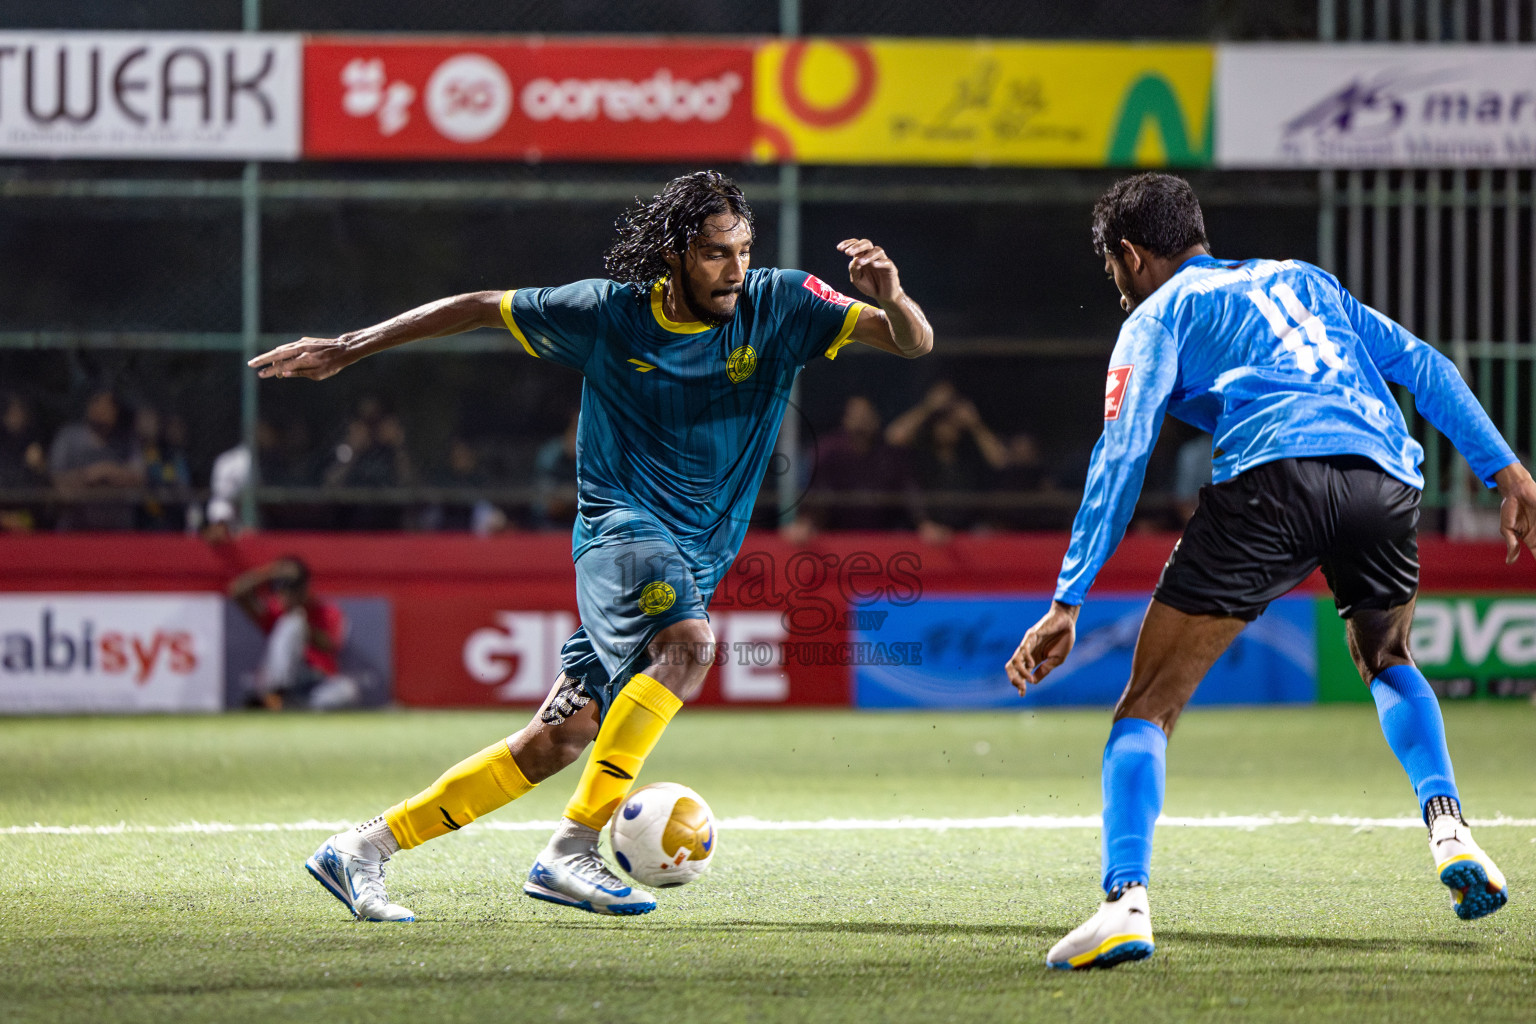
{"points": [[1308, 340]]}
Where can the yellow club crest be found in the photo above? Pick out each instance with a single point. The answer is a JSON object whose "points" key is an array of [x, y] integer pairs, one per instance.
{"points": [[688, 829], [741, 364], [657, 597]]}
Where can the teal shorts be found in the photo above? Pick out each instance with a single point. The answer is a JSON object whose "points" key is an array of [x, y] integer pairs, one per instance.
{"points": [[628, 589]]}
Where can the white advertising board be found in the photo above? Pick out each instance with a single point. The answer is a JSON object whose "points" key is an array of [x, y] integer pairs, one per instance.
{"points": [[1375, 106], [172, 95], [111, 652]]}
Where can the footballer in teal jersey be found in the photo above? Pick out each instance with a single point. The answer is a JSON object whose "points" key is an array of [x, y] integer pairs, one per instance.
{"points": [[678, 422], [687, 356], [1313, 467]]}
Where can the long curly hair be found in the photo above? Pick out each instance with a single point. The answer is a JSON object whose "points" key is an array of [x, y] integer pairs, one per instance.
{"points": [[669, 223]]}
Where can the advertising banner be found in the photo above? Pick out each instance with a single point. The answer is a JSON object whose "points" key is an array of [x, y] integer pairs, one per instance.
{"points": [[172, 95], [468, 651], [1465, 644], [1376, 106], [111, 652], [526, 99], [949, 652], [890, 101]]}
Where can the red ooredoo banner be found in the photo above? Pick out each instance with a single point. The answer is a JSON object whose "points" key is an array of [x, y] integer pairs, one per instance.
{"points": [[526, 100]]}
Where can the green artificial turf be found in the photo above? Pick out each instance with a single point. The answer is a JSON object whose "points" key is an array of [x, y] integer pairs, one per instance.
{"points": [[1283, 922]]}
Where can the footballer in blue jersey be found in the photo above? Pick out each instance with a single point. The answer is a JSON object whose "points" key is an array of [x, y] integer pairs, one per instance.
{"points": [[1313, 467], [687, 356]]}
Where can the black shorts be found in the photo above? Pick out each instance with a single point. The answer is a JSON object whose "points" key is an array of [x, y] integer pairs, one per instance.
{"points": [[1256, 536]]}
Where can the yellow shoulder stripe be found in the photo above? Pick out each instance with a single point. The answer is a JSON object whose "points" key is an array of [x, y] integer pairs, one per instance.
{"points": [[845, 335], [506, 315]]}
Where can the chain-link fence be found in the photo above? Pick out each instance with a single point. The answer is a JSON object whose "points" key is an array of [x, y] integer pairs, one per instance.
{"points": [[135, 275]]}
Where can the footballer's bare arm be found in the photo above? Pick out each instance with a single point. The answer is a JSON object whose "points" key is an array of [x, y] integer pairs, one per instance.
{"points": [[897, 325], [319, 358]]}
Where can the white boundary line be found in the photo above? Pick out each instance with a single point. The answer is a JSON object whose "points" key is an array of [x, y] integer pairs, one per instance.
{"points": [[1016, 822]]}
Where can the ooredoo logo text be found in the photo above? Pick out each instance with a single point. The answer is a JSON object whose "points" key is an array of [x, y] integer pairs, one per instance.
{"points": [[470, 97]]}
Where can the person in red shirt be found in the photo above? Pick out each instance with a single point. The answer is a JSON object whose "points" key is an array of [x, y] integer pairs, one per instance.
{"points": [[304, 637]]}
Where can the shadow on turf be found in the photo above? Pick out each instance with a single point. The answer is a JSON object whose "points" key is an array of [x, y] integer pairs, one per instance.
{"points": [[896, 928], [1417, 945], [1022, 931]]}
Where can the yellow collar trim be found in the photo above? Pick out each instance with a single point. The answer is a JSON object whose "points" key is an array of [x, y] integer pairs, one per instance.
{"points": [[697, 327]]}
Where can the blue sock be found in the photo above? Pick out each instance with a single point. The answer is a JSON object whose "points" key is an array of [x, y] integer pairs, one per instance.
{"points": [[1411, 722], [1134, 767]]}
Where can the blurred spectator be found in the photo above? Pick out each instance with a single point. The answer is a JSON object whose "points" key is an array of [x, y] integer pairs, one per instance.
{"points": [[231, 476], [371, 454], [23, 464], [954, 451], [165, 470], [463, 470], [856, 458], [93, 455], [304, 638], [290, 457], [554, 475], [1025, 469], [1024, 473]]}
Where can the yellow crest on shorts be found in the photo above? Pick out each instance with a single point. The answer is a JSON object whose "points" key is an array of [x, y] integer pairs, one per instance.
{"points": [[657, 597], [688, 829], [741, 363]]}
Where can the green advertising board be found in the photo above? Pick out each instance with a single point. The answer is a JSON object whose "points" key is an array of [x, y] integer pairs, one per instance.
{"points": [[1473, 644]]}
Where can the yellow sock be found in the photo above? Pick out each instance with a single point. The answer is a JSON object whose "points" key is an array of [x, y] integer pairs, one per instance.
{"points": [[474, 787], [634, 723]]}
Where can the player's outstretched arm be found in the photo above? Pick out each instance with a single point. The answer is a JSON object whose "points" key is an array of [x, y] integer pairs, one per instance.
{"points": [[1045, 646], [898, 325], [1517, 510], [319, 358]]}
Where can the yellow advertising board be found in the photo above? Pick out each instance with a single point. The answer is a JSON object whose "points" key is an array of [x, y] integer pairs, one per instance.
{"points": [[897, 101]]}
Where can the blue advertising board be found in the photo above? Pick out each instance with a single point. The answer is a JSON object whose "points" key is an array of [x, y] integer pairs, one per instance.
{"points": [[952, 650]]}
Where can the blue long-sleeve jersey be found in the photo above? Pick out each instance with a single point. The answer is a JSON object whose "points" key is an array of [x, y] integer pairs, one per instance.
{"points": [[1276, 360]]}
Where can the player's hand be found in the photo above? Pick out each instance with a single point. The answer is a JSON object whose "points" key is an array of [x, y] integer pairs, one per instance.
{"points": [[315, 358], [870, 269], [1517, 510], [1045, 646]]}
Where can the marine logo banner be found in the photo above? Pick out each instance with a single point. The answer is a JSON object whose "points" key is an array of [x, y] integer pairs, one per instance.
{"points": [[1376, 106]]}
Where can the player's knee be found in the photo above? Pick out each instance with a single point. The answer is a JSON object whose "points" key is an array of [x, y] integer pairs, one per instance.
{"points": [[568, 744], [1378, 641], [681, 656], [542, 749]]}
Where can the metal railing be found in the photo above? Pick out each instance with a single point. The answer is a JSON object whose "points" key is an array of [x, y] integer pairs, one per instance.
{"points": [[1449, 254]]}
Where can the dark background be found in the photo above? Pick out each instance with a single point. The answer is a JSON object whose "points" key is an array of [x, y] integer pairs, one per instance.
{"points": [[1013, 289]]}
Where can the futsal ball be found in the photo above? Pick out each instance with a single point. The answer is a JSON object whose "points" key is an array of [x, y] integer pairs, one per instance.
{"points": [[663, 835]]}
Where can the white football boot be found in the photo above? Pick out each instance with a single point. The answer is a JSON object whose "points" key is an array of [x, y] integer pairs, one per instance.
{"points": [[352, 869], [572, 873], [1477, 885], [1121, 930]]}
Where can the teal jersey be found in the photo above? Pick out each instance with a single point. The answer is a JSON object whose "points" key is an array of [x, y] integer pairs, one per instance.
{"points": [[678, 421]]}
